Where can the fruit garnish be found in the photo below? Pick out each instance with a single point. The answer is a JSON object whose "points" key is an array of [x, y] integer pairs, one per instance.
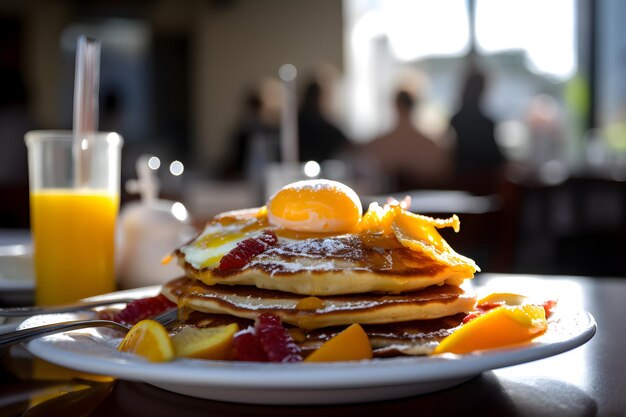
{"points": [[498, 299], [204, 343], [352, 344], [494, 300], [480, 310], [510, 299], [500, 327], [549, 306], [149, 339], [310, 304], [276, 340], [246, 250], [267, 341], [140, 309], [247, 347]]}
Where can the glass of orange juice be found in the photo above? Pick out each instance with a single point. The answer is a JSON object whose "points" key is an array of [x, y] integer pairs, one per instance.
{"points": [[73, 207]]}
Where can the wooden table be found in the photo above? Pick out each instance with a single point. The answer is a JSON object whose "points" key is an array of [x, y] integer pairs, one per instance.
{"points": [[587, 381]]}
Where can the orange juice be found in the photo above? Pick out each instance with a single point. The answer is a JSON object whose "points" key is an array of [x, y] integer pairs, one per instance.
{"points": [[74, 244]]}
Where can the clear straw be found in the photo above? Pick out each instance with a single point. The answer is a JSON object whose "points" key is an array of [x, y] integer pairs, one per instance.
{"points": [[86, 86]]}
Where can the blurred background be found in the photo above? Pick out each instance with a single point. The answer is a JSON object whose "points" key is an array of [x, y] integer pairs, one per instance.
{"points": [[510, 113]]}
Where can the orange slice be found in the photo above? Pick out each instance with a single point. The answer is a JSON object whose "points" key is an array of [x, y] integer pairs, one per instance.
{"points": [[510, 299], [350, 345], [310, 304], [500, 327], [149, 339], [204, 343]]}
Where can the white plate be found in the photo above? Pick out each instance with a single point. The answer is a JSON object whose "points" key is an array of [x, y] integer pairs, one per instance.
{"points": [[94, 351]]}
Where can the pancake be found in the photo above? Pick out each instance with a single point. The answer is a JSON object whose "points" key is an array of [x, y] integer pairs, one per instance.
{"points": [[314, 262], [331, 265], [316, 312]]}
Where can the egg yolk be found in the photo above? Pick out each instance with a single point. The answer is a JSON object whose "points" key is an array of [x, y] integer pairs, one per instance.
{"points": [[315, 206]]}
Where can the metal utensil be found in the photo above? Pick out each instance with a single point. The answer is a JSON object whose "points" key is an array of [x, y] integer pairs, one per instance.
{"points": [[67, 308], [25, 334]]}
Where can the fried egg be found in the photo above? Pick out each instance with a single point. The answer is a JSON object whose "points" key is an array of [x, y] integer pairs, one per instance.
{"points": [[315, 206], [218, 239]]}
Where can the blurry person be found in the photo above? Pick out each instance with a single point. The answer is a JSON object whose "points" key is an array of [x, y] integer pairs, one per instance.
{"points": [[319, 139], [405, 156], [256, 140], [478, 160]]}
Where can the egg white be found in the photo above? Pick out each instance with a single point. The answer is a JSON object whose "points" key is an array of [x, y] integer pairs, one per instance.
{"points": [[197, 256]]}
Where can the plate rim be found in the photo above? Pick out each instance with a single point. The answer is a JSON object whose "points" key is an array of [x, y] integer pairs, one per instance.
{"points": [[398, 371]]}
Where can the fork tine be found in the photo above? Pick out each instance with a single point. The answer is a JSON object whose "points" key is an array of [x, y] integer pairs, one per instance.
{"points": [[168, 317], [68, 308], [23, 335]]}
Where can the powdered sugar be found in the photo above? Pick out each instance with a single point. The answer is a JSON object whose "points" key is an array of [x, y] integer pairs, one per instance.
{"points": [[318, 254], [291, 267], [333, 247]]}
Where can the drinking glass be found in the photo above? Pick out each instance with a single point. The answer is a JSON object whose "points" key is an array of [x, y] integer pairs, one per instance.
{"points": [[74, 200]]}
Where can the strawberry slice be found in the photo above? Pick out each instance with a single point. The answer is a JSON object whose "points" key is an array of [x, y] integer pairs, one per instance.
{"points": [[549, 306], [246, 250], [248, 348], [276, 340], [267, 341], [140, 309], [470, 316], [480, 310]]}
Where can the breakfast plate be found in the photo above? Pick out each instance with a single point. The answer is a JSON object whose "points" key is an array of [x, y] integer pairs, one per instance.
{"points": [[94, 351]]}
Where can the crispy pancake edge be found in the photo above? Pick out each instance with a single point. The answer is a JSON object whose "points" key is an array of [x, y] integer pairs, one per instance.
{"points": [[331, 282], [366, 309]]}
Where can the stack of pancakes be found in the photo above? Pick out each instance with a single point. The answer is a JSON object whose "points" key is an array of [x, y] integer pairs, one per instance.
{"points": [[319, 283]]}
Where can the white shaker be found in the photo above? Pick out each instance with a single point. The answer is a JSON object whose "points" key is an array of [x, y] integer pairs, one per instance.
{"points": [[149, 230]]}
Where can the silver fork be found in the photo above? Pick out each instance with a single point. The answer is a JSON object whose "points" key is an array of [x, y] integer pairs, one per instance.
{"points": [[24, 335], [67, 308]]}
